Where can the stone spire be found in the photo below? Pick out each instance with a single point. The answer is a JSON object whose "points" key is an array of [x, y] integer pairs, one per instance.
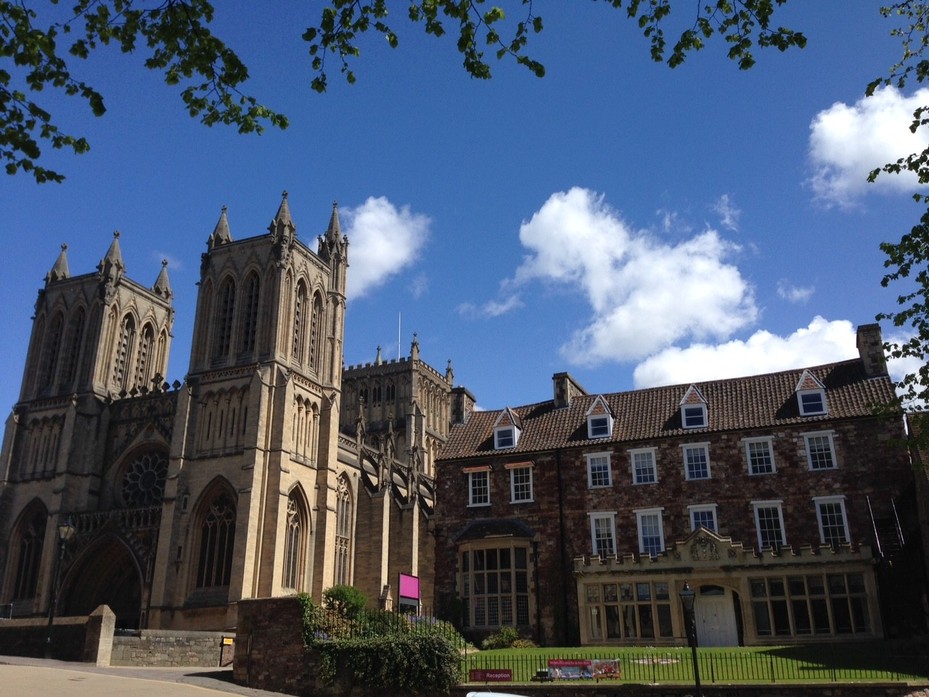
{"points": [[334, 232], [332, 244], [221, 233], [378, 360], [414, 348], [162, 286], [110, 270], [283, 232], [60, 270], [283, 212]]}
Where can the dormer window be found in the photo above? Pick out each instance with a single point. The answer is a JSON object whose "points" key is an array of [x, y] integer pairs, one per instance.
{"points": [[811, 395], [599, 420], [812, 402], [505, 437], [506, 430], [693, 409], [694, 416]]}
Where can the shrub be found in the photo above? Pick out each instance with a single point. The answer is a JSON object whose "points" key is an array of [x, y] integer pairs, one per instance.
{"points": [[348, 601], [502, 639], [399, 663]]}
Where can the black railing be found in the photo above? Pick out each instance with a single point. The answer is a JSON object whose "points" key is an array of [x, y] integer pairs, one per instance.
{"points": [[672, 666]]}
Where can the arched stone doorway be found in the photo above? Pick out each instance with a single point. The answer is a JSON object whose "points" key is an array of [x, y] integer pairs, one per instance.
{"points": [[105, 574]]}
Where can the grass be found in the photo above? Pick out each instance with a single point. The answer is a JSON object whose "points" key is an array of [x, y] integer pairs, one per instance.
{"points": [[808, 663]]}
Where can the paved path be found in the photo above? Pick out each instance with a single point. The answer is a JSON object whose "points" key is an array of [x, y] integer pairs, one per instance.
{"points": [[36, 677]]}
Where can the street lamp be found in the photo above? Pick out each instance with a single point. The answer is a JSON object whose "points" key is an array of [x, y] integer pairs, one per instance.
{"points": [[690, 623], [65, 532]]}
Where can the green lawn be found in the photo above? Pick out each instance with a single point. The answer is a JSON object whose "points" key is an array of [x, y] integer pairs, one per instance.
{"points": [[852, 662]]}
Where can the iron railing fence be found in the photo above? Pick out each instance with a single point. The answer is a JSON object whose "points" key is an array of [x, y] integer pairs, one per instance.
{"points": [[671, 666]]}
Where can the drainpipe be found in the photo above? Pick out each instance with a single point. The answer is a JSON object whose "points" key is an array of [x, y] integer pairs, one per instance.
{"points": [[561, 541]]}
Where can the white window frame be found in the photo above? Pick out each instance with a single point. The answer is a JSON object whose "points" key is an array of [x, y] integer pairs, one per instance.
{"points": [[640, 517], [609, 517], [591, 457], [521, 469], [804, 410], [819, 502], [828, 436], [473, 476], [593, 424], [509, 432], [777, 505], [703, 508], [696, 410], [748, 443], [705, 447], [654, 465]]}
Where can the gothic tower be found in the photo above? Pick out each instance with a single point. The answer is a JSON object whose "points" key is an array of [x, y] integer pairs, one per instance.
{"points": [[253, 486], [97, 339]]}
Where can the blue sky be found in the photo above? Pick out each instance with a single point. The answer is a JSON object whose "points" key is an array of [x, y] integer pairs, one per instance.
{"points": [[630, 224]]}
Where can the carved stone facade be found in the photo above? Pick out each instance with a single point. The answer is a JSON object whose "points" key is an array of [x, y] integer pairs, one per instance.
{"points": [[246, 480]]}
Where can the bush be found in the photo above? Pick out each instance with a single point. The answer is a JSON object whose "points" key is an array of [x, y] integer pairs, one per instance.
{"points": [[502, 639], [399, 663], [348, 601]]}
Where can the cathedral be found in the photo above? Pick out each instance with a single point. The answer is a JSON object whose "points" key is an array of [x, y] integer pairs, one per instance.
{"points": [[272, 469]]}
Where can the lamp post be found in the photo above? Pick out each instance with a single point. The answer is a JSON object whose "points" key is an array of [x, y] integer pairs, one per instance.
{"points": [[690, 622], [65, 532]]}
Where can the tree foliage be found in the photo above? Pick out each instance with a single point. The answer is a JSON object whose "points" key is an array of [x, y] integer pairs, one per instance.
{"points": [[42, 42], [348, 601], [38, 51], [907, 261]]}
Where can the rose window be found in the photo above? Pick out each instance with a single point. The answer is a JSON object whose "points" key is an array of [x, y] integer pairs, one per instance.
{"points": [[144, 480]]}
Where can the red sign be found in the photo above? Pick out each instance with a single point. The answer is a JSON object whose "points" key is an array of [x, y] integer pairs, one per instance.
{"points": [[490, 675]]}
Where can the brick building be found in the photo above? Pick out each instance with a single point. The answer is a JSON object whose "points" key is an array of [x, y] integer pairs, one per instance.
{"points": [[260, 475], [782, 499]]}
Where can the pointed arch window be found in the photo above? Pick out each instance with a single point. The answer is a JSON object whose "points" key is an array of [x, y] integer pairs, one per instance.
{"points": [[315, 324], [343, 534], [143, 364], [295, 543], [73, 342], [217, 540], [299, 322], [52, 351], [124, 351], [224, 318], [250, 313], [28, 554]]}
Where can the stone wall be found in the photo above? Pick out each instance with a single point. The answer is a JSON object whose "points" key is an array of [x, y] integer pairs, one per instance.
{"points": [[91, 639], [27, 637], [151, 647]]}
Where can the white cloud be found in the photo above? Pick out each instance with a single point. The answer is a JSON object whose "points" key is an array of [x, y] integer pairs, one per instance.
{"points": [[763, 352], [794, 294], [419, 286], [847, 142], [644, 293], [493, 308], [728, 212], [384, 241]]}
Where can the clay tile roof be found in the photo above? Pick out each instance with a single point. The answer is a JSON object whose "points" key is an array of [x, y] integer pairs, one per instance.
{"points": [[756, 402]]}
